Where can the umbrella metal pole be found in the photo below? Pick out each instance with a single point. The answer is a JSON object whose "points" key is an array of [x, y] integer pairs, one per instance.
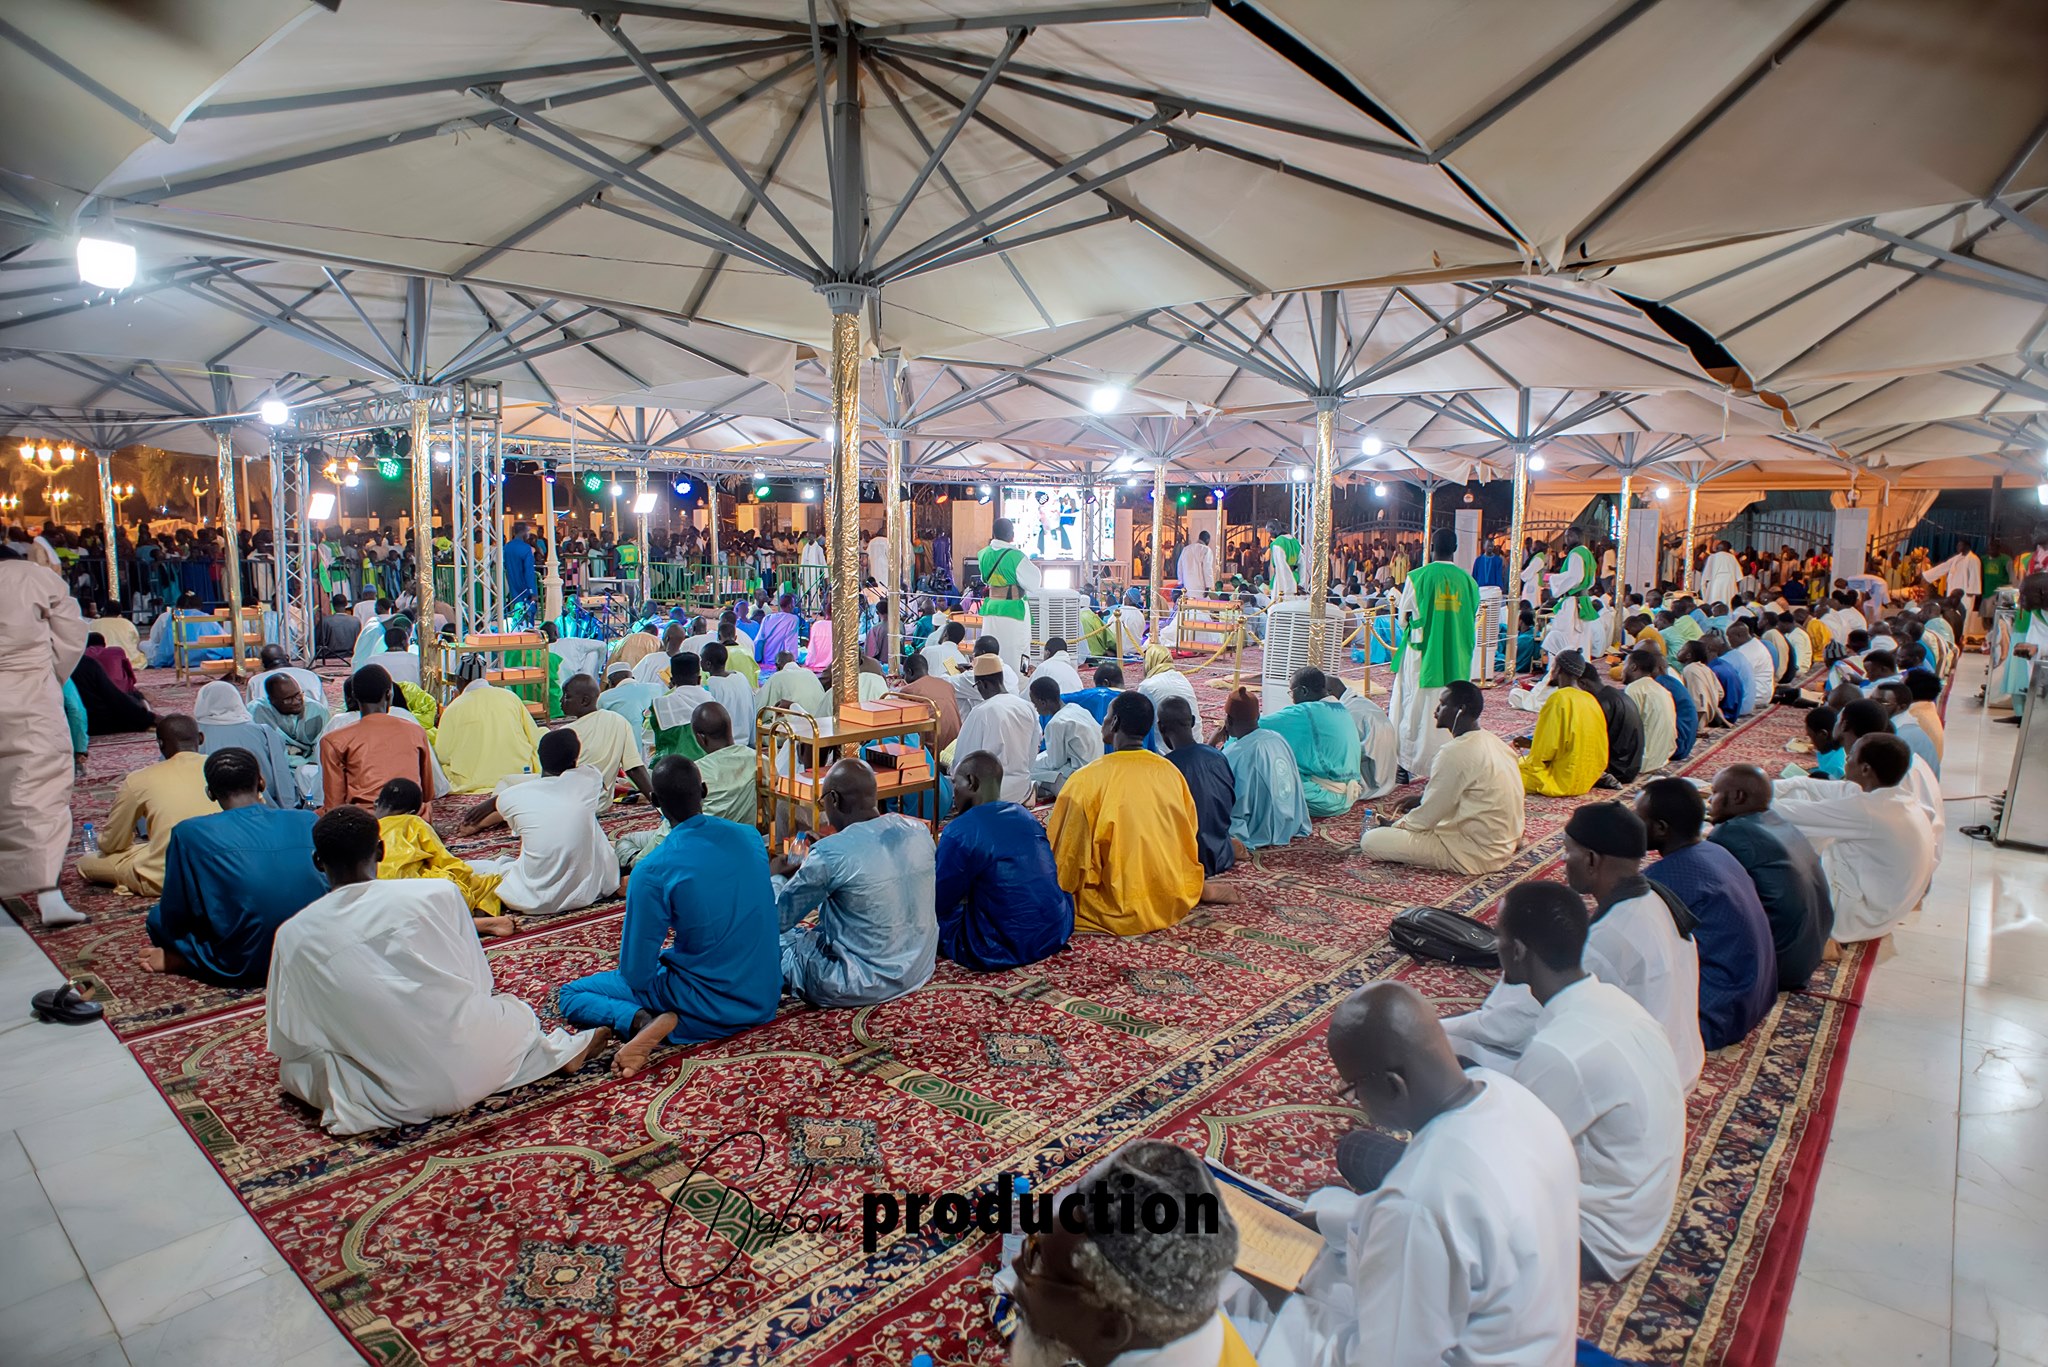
{"points": [[551, 584], [893, 531], [1517, 519], [1315, 555], [1692, 514], [1621, 542], [106, 469], [425, 636], [231, 557], [1158, 577], [842, 530]]}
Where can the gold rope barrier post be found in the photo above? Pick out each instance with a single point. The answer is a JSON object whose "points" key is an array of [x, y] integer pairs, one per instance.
{"points": [[842, 530], [425, 637]]}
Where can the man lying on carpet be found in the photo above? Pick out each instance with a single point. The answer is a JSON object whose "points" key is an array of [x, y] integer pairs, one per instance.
{"points": [[380, 1005], [564, 862], [1461, 1245], [870, 881], [1102, 1296], [1469, 818], [706, 884], [231, 878]]}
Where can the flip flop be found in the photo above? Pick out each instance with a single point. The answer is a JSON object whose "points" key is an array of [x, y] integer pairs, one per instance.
{"points": [[63, 1006]]}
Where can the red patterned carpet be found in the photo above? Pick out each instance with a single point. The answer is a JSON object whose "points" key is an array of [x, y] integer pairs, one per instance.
{"points": [[596, 1221]]}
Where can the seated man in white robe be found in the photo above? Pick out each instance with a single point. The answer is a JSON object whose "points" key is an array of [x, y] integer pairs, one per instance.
{"points": [[1004, 725], [1637, 942], [1459, 1246], [564, 861], [1101, 1293], [380, 1006], [1875, 843], [1073, 738], [1058, 665], [1378, 741], [1605, 1070]]}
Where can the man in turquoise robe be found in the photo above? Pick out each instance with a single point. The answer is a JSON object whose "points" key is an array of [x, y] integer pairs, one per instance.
{"points": [[1324, 741], [1271, 807]]}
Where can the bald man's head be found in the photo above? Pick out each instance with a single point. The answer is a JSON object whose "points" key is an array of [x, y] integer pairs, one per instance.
{"points": [[579, 696], [1388, 1047], [977, 779], [1739, 790], [850, 794], [712, 725]]}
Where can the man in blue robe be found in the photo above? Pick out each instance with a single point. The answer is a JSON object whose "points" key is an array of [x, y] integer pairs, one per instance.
{"points": [[1109, 681], [1325, 743], [1270, 807], [998, 898], [871, 884], [231, 878], [1738, 960], [1210, 782], [707, 884]]}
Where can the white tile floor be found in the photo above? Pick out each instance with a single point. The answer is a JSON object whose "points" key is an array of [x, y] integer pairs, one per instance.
{"points": [[1928, 1245], [1929, 1239]]}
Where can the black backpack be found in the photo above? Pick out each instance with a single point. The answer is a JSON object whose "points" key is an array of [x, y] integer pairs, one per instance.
{"points": [[1433, 933]]}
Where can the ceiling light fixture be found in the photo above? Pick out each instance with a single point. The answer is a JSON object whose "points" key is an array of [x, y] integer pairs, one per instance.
{"points": [[106, 263], [276, 412], [1372, 445], [1105, 398]]}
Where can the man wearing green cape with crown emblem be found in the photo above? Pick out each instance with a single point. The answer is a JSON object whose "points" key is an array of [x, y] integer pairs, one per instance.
{"points": [[1011, 576], [1438, 613]]}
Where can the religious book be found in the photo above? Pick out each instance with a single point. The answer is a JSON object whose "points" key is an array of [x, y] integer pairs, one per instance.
{"points": [[1272, 1246]]}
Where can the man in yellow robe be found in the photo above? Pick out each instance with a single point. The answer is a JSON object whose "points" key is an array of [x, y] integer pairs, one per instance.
{"points": [[1568, 753], [136, 836], [486, 734], [1123, 832], [412, 850]]}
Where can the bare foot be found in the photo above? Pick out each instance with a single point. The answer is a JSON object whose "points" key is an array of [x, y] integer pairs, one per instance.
{"points": [[1216, 895], [152, 961], [599, 1038], [1831, 953], [635, 1052], [496, 926], [1239, 848]]}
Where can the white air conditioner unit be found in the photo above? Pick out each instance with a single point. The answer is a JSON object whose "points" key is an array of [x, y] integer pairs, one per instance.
{"points": [[1055, 612], [1492, 612], [1287, 650]]}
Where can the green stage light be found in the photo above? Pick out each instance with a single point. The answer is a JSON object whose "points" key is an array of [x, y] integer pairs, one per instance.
{"points": [[1182, 498], [760, 491], [593, 482], [388, 467]]}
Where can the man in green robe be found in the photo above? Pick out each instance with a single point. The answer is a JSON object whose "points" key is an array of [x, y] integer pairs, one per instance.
{"points": [[1574, 616], [1438, 614], [1010, 576], [1324, 740], [1283, 563]]}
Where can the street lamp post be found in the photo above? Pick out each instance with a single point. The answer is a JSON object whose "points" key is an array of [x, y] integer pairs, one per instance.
{"points": [[50, 461]]}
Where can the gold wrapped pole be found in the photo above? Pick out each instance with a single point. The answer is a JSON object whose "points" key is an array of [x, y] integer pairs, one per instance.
{"points": [[711, 504], [1158, 579], [1315, 554], [551, 582], [842, 529], [106, 468], [1692, 515], [425, 636], [1428, 515], [1621, 541], [231, 556], [646, 570], [897, 533]]}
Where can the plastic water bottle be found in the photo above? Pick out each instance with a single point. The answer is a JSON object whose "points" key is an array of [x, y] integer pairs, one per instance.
{"points": [[1013, 1242], [921, 1360], [89, 839]]}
